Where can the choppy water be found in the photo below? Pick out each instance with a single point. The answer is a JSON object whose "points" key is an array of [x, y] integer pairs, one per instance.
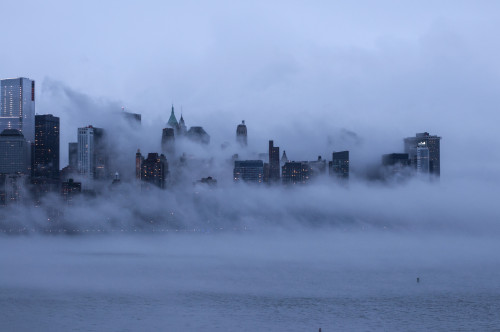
{"points": [[250, 282]]}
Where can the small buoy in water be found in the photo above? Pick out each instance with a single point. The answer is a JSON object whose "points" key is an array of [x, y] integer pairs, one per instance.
{"points": [[418, 279], [320, 329]]}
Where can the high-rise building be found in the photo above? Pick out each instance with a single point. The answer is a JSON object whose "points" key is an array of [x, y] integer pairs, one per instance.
{"points": [[154, 169], [73, 155], [339, 166], [432, 142], [92, 154], [14, 153], [241, 134], [17, 106], [46, 155], [274, 162], [295, 172], [423, 160], [138, 163], [168, 141], [248, 171], [172, 121], [181, 127], [198, 135]]}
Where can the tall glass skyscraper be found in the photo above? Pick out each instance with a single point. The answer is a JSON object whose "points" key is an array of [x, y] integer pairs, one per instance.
{"points": [[46, 160], [17, 106]]}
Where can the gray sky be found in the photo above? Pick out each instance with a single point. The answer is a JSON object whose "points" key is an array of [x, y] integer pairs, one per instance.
{"points": [[295, 71]]}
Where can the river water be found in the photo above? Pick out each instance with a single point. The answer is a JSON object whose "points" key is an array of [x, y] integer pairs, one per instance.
{"points": [[266, 281]]}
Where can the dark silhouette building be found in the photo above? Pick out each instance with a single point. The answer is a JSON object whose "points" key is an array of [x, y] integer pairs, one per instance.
{"points": [[295, 172], [274, 162], [432, 142], [73, 155], [198, 135], [154, 169], [241, 134], [248, 171], [168, 141], [46, 155], [339, 166], [14, 153]]}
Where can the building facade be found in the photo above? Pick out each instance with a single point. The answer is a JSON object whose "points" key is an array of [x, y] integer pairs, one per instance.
{"points": [[17, 106], [274, 162], [92, 153], [241, 134], [248, 171], [432, 142], [14, 153], [339, 166], [46, 154], [154, 169]]}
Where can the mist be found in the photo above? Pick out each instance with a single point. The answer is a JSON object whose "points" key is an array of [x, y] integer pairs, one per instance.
{"points": [[375, 253]]}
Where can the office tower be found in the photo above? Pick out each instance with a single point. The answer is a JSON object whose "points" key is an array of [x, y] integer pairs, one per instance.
{"points": [[248, 170], [138, 163], [294, 172], [241, 134], [132, 118], [168, 141], [284, 159], [46, 155], [181, 127], [17, 106], [432, 142], [154, 170], [394, 159], [73, 155], [172, 121], [198, 135], [92, 154], [274, 162], [339, 166], [423, 160], [14, 152]]}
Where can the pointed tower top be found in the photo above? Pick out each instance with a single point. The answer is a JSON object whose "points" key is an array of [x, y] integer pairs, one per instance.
{"points": [[172, 121], [284, 158]]}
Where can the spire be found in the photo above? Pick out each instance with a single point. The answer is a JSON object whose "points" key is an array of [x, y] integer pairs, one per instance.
{"points": [[172, 121], [284, 158]]}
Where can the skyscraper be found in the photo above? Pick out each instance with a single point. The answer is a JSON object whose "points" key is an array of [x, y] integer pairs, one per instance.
{"points": [[172, 121], [295, 172], [423, 161], [274, 162], [154, 169], [241, 134], [46, 155], [17, 106], [248, 170], [168, 141], [339, 166], [92, 156], [73, 155], [14, 152], [432, 142]]}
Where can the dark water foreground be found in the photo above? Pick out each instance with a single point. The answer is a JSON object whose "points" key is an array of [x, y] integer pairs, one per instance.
{"points": [[276, 281]]}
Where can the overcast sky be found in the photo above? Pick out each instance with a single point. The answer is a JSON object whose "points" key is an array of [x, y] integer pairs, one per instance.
{"points": [[384, 69]]}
